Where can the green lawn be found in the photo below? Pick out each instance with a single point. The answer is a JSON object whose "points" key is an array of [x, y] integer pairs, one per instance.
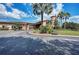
{"points": [[62, 32], [68, 32]]}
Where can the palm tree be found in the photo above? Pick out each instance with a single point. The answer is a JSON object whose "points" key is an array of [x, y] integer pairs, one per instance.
{"points": [[41, 8], [66, 16], [60, 16], [63, 15]]}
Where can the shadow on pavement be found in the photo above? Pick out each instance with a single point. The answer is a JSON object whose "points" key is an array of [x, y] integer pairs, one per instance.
{"points": [[30, 46]]}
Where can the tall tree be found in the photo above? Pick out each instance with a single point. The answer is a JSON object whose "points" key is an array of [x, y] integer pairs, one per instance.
{"points": [[66, 16], [41, 8], [60, 16], [63, 15]]}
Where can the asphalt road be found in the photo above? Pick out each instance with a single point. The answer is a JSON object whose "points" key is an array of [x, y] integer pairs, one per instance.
{"points": [[26, 34], [23, 43]]}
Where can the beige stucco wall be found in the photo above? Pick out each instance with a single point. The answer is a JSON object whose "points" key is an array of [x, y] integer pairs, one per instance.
{"points": [[53, 21], [6, 25], [25, 27], [44, 23], [0, 25], [28, 27], [9, 26]]}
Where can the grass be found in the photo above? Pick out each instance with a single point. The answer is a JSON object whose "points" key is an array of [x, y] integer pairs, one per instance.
{"points": [[68, 32], [62, 32], [36, 31]]}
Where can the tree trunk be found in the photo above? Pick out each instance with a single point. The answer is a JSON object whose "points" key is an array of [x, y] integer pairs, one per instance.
{"points": [[61, 23], [65, 24], [41, 17]]}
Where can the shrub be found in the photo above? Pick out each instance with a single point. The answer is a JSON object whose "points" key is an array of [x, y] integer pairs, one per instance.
{"points": [[57, 26], [72, 26], [5, 28], [49, 29], [35, 30], [46, 29], [17, 26], [43, 29]]}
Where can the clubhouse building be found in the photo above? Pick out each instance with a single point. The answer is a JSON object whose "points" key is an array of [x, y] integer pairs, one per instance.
{"points": [[25, 25]]}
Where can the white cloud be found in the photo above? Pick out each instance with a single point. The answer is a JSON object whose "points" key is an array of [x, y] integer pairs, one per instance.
{"points": [[9, 4], [38, 19], [29, 11], [57, 9], [36, 16], [16, 13], [2, 9], [74, 19], [59, 6], [45, 17]]}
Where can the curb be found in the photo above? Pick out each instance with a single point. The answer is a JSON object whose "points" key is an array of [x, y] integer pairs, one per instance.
{"points": [[49, 35]]}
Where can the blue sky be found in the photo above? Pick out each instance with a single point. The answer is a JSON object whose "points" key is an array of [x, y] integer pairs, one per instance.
{"points": [[23, 12], [72, 8]]}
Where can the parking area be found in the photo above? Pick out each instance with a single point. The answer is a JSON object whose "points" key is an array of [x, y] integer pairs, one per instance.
{"points": [[22, 43]]}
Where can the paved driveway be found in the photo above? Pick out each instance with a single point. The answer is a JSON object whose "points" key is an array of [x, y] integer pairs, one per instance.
{"points": [[20, 42]]}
